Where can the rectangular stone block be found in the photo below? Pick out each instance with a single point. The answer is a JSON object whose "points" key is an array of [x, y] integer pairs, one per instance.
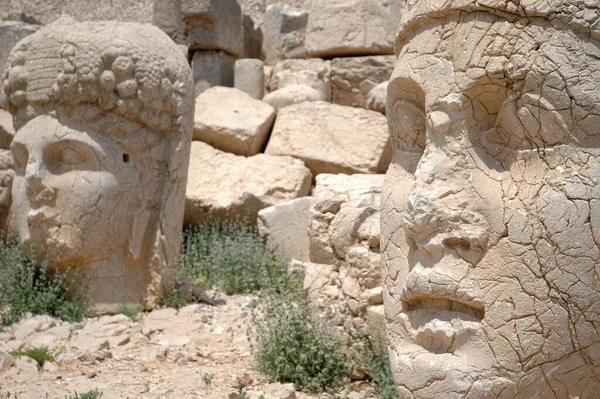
{"points": [[331, 138], [212, 68], [284, 29], [214, 25], [352, 27], [285, 227], [352, 78]]}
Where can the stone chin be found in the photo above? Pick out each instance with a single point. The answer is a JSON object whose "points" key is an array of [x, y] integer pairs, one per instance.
{"points": [[59, 246]]}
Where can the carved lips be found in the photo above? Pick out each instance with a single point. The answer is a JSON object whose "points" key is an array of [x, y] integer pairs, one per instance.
{"points": [[441, 317]]}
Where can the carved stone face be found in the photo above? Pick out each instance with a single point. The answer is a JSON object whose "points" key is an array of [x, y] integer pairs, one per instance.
{"points": [[491, 211], [75, 191], [103, 113]]}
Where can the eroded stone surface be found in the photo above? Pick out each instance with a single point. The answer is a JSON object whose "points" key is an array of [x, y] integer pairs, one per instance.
{"points": [[314, 72], [225, 186], [83, 10], [212, 68], [213, 25], [11, 32], [232, 121], [352, 27], [6, 180], [249, 77], [490, 226], [343, 279], [284, 29], [103, 126], [331, 138], [7, 131], [352, 78], [285, 227]]}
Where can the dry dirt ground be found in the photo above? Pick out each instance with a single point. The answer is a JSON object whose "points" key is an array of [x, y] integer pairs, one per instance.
{"points": [[200, 351]]}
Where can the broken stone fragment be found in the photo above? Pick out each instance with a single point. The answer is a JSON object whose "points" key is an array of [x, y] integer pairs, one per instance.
{"points": [[225, 186], [332, 138], [232, 121]]}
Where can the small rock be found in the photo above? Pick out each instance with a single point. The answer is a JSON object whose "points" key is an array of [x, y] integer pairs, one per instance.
{"points": [[26, 365], [6, 361], [280, 391]]}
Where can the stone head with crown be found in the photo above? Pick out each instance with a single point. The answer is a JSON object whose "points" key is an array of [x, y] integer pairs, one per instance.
{"points": [[103, 115], [491, 207]]}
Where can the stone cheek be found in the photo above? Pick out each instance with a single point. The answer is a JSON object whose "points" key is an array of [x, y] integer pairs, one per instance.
{"points": [[489, 221], [99, 180]]}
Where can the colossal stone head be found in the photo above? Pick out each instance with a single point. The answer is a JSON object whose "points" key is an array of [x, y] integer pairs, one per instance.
{"points": [[491, 207], [103, 116]]}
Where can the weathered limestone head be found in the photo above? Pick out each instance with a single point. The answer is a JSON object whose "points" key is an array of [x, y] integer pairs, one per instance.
{"points": [[103, 115], [491, 207]]}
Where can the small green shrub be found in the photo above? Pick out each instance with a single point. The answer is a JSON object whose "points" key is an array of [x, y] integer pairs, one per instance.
{"points": [[377, 362], [129, 310], [93, 394], [294, 346], [25, 287], [230, 256], [41, 355], [174, 299]]}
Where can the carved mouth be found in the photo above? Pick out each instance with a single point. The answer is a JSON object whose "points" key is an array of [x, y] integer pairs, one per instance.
{"points": [[441, 317], [433, 304]]}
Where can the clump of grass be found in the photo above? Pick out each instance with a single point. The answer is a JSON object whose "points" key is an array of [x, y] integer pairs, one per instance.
{"points": [[377, 364], [130, 311], [93, 394], [26, 287], [293, 345], [41, 355], [175, 298], [229, 256]]}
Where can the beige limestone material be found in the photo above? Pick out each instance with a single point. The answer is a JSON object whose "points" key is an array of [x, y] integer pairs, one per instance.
{"points": [[490, 215], [167, 15], [352, 78], [285, 227], [11, 32], [6, 180], [313, 72], [230, 120], [7, 131], [377, 98], [343, 279], [83, 10], [226, 186], [352, 27], [293, 94], [283, 33], [103, 127], [214, 25], [331, 138], [249, 77], [212, 68]]}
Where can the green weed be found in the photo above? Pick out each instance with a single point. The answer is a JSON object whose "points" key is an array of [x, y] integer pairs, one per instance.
{"points": [[294, 346], [93, 394], [377, 363], [41, 355], [175, 298], [130, 311], [26, 287], [229, 256]]}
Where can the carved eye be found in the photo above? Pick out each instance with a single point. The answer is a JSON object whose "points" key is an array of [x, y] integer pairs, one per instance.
{"points": [[20, 155], [406, 115], [409, 125], [69, 156]]}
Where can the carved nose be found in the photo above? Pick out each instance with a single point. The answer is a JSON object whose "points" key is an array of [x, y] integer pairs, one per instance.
{"points": [[438, 217], [35, 185]]}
